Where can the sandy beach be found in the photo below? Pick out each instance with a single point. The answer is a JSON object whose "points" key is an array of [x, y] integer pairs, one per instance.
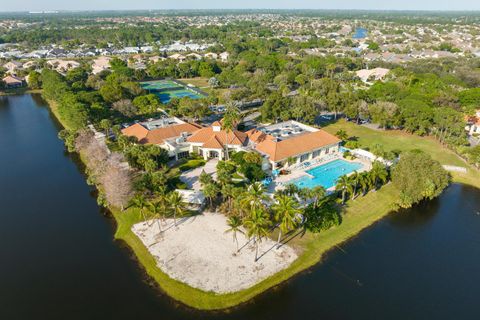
{"points": [[200, 253]]}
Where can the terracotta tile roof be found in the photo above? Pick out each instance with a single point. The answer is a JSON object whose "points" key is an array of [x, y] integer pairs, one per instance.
{"points": [[137, 130], [257, 136], [158, 136], [295, 146], [213, 143], [12, 80], [206, 134]]}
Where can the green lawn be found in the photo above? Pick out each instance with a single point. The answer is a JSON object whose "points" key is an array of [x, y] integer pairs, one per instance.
{"points": [[197, 82], [399, 140]]}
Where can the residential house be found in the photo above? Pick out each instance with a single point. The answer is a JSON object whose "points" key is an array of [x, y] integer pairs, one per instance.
{"points": [[13, 81], [178, 57], [101, 64], [368, 75], [211, 55], [194, 56], [63, 66], [473, 124], [224, 56], [12, 67]]}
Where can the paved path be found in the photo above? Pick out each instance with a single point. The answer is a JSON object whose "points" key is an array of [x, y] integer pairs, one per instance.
{"points": [[190, 178]]}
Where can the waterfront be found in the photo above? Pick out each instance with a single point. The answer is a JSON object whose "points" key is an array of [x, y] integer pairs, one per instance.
{"points": [[60, 261]]}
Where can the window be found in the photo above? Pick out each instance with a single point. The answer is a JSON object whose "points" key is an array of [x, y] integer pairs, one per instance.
{"points": [[304, 157], [316, 153], [183, 154], [327, 150]]}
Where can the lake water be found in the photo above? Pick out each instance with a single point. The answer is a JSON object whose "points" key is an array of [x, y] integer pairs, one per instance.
{"points": [[59, 259]]}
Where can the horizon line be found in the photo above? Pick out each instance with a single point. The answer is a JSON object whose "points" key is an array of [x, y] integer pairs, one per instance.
{"points": [[240, 9]]}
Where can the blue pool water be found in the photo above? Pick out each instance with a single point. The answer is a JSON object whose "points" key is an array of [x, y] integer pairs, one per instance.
{"points": [[327, 174], [360, 33]]}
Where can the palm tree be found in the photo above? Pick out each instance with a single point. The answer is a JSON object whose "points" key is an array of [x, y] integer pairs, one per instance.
{"points": [[234, 222], [254, 196], [317, 193], [157, 208], [286, 214], [364, 182], [140, 202], [176, 204], [341, 134], [228, 192], [210, 190], [229, 123], [257, 225], [343, 184], [378, 172], [355, 181], [105, 124], [291, 189]]}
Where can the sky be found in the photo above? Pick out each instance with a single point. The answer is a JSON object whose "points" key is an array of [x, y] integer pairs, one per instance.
{"points": [[41, 5]]}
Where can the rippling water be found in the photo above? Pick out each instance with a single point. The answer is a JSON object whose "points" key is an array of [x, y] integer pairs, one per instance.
{"points": [[59, 259]]}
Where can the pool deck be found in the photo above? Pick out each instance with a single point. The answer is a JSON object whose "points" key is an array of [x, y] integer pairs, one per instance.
{"points": [[280, 182]]}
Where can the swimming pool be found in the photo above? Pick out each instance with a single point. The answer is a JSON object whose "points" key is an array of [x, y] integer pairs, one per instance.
{"points": [[326, 175]]}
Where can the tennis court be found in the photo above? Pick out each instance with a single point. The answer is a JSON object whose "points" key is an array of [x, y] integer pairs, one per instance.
{"points": [[159, 85], [166, 96], [166, 90]]}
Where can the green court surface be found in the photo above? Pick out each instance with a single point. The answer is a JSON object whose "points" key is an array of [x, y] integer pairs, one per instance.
{"points": [[168, 89]]}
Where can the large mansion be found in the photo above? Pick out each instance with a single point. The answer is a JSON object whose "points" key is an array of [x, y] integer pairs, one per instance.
{"points": [[280, 144]]}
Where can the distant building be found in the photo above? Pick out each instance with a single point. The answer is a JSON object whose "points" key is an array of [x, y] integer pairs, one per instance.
{"points": [[63, 66], [224, 56], [101, 64], [13, 81], [473, 124], [13, 66], [369, 75]]}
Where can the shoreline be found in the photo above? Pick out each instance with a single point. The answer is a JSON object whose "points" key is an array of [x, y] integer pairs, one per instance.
{"points": [[360, 214]]}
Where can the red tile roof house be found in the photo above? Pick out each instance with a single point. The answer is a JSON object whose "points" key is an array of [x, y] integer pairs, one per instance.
{"points": [[292, 140], [13, 82], [170, 134]]}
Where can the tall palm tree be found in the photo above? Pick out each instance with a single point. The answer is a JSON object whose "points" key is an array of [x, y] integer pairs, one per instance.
{"points": [[210, 190], [364, 182], [254, 196], [355, 181], [257, 225], [106, 124], [140, 202], [228, 192], [343, 184], [316, 193], [157, 209], [229, 123], [378, 173], [234, 222], [286, 211], [176, 204]]}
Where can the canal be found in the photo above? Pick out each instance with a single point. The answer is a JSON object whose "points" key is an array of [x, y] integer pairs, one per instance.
{"points": [[59, 259]]}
